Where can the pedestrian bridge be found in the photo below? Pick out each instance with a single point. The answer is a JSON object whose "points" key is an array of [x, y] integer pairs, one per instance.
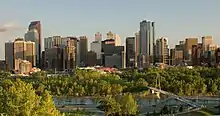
{"points": [[188, 102], [194, 106]]}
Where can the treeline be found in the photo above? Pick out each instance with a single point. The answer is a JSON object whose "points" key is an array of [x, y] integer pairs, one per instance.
{"points": [[178, 80], [87, 83]]}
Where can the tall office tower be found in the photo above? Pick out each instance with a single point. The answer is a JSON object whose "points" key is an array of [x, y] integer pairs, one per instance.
{"points": [[43, 61], [71, 53], [37, 25], [96, 47], [83, 49], [57, 41], [98, 37], [172, 57], [176, 57], [117, 40], [62, 57], [115, 37], [206, 40], [137, 47], [162, 51], [147, 43], [9, 55], [130, 52], [217, 56], [91, 60], [78, 53], [24, 50], [54, 58], [178, 53], [19, 50], [30, 52], [33, 36], [110, 35], [196, 54], [188, 47], [51, 42], [137, 39], [113, 56], [48, 43], [181, 46]]}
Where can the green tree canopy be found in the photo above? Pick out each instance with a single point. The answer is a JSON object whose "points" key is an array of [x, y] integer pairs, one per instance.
{"points": [[19, 99]]}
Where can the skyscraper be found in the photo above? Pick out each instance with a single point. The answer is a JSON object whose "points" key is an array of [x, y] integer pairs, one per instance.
{"points": [[98, 37], [37, 25], [137, 39], [30, 52], [9, 55], [19, 50], [51, 42], [206, 40], [162, 51], [91, 60], [55, 58], [110, 35], [196, 54], [130, 52], [78, 53], [115, 37], [117, 40], [188, 47], [24, 50], [147, 42], [33, 35], [71, 53], [113, 56], [48, 43], [62, 57], [83, 49], [96, 47]]}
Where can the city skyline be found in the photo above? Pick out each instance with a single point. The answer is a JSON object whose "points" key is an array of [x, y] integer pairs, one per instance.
{"points": [[191, 19]]}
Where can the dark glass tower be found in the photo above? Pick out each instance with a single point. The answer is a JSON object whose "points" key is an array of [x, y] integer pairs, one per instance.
{"points": [[37, 25]]}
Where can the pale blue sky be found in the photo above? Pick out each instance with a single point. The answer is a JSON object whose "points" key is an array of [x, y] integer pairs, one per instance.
{"points": [[175, 19]]}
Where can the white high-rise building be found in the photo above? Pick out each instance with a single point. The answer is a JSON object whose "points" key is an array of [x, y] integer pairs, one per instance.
{"points": [[98, 37], [96, 47]]}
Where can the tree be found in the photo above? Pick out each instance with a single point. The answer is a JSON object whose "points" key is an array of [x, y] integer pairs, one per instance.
{"points": [[19, 99], [214, 88], [110, 106], [4, 74], [128, 105], [39, 75]]}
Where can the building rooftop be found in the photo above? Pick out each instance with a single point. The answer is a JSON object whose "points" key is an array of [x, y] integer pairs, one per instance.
{"points": [[19, 39]]}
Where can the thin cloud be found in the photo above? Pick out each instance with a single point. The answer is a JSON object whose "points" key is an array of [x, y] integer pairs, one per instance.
{"points": [[9, 27]]}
